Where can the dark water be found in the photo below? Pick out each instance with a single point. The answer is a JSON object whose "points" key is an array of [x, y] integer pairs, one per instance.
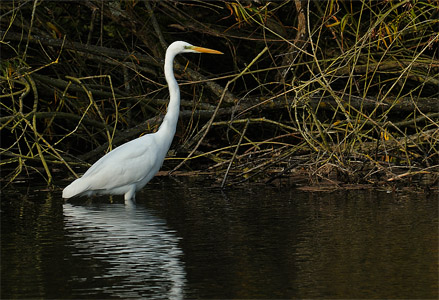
{"points": [[184, 240]]}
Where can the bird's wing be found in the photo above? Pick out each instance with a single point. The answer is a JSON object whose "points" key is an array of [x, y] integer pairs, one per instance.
{"points": [[128, 163]]}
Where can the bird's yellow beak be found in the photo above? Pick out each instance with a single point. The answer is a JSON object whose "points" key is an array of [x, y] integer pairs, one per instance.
{"points": [[205, 50]]}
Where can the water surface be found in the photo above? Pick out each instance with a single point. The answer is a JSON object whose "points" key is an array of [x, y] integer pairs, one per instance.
{"points": [[184, 240]]}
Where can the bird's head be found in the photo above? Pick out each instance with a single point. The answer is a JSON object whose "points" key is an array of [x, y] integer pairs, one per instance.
{"points": [[183, 47]]}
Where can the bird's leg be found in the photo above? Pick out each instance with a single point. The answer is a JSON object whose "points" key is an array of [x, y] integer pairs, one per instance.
{"points": [[130, 202], [130, 196]]}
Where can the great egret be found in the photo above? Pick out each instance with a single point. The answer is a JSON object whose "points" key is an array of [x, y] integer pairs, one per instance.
{"points": [[129, 167]]}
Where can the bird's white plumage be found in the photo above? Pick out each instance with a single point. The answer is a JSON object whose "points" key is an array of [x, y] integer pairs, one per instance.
{"points": [[129, 167], [121, 170]]}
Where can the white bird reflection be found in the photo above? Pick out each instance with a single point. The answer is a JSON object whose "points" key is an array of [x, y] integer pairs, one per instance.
{"points": [[136, 253]]}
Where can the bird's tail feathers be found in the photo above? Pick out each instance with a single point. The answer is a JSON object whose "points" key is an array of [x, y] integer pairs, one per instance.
{"points": [[76, 188]]}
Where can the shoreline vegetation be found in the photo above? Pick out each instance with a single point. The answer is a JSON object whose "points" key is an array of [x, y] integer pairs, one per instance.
{"points": [[339, 93]]}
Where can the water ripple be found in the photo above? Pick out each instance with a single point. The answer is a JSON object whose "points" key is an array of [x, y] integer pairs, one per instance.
{"points": [[134, 253]]}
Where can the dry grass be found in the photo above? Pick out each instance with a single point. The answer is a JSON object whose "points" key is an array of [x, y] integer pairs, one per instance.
{"points": [[340, 92]]}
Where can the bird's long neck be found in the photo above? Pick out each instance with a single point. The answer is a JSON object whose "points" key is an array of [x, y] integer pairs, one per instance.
{"points": [[169, 124]]}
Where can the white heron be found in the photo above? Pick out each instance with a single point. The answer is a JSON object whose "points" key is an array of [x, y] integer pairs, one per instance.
{"points": [[129, 167]]}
